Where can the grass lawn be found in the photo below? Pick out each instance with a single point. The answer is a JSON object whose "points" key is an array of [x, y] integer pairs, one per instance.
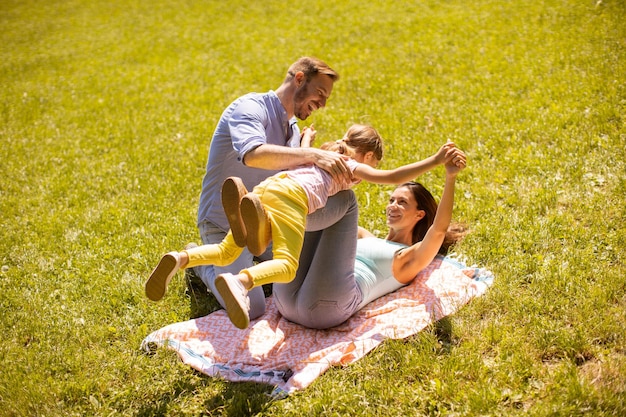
{"points": [[107, 109]]}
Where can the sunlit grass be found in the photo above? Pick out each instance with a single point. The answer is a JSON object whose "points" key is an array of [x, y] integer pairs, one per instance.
{"points": [[106, 112]]}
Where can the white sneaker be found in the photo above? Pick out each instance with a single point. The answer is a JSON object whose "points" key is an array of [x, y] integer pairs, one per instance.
{"points": [[236, 300], [156, 286]]}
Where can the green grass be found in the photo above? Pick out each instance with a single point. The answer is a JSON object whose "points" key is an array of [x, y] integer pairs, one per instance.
{"points": [[107, 108]]}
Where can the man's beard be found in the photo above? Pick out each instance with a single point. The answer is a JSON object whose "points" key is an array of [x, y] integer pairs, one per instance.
{"points": [[298, 100]]}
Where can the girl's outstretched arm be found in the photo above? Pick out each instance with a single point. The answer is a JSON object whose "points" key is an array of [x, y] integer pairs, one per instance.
{"points": [[307, 137], [410, 171]]}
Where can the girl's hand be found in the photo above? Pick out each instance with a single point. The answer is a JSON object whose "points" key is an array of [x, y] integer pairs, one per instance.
{"points": [[308, 136], [442, 154]]}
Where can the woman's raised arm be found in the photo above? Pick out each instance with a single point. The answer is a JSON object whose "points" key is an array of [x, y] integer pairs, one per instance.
{"points": [[410, 261]]}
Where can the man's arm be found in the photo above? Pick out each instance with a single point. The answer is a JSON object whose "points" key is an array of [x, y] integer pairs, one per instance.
{"points": [[276, 157]]}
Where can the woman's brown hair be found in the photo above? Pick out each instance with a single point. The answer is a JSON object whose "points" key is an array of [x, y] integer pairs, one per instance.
{"points": [[426, 202]]}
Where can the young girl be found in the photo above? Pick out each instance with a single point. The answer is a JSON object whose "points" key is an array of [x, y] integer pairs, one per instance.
{"points": [[276, 210]]}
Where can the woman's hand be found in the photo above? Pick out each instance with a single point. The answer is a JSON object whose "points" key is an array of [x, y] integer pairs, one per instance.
{"points": [[455, 162]]}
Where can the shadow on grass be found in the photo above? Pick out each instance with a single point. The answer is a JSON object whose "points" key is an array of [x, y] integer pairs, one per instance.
{"points": [[240, 399], [201, 301], [443, 331], [234, 398]]}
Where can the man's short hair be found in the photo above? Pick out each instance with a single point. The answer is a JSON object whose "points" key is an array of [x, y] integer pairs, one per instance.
{"points": [[311, 66]]}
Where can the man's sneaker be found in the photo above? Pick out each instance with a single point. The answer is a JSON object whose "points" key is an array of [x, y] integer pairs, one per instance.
{"points": [[191, 245], [257, 224], [236, 300], [156, 286], [232, 192]]}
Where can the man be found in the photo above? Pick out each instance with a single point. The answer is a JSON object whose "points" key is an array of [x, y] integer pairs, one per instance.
{"points": [[257, 136]]}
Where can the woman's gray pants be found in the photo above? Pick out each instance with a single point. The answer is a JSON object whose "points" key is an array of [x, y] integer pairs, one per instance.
{"points": [[324, 292]]}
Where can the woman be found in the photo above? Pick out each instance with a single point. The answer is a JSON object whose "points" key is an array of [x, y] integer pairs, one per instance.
{"points": [[338, 275]]}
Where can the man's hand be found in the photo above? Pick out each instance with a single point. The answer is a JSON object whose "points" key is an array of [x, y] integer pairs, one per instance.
{"points": [[334, 163]]}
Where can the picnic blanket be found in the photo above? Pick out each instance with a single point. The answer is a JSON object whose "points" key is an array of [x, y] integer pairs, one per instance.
{"points": [[290, 357]]}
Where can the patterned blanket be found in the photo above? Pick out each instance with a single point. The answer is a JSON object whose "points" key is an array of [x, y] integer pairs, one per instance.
{"points": [[290, 357]]}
